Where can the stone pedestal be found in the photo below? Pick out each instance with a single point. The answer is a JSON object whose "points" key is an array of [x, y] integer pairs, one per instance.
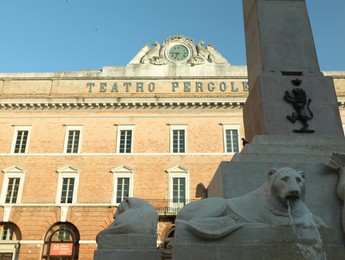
{"points": [[127, 246], [280, 48], [245, 173], [265, 111], [310, 154], [279, 243]]}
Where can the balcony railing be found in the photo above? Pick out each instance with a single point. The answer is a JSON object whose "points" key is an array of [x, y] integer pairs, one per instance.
{"points": [[168, 207]]}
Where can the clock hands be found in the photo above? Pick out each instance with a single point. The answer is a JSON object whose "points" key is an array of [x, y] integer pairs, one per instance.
{"points": [[176, 54]]}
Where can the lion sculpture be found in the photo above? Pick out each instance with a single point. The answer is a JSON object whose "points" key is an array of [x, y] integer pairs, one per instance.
{"points": [[272, 204], [133, 216]]}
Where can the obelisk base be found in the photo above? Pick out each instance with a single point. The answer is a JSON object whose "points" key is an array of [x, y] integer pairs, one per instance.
{"points": [[127, 246], [266, 111]]}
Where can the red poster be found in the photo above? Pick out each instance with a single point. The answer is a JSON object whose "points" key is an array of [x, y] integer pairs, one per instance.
{"points": [[61, 249]]}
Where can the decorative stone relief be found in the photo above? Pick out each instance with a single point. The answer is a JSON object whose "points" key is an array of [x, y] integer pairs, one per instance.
{"points": [[273, 204], [337, 162], [180, 49], [302, 113], [153, 55], [133, 216]]}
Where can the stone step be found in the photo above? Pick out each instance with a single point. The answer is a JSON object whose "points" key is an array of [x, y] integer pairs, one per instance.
{"points": [[279, 157], [293, 148], [298, 139]]}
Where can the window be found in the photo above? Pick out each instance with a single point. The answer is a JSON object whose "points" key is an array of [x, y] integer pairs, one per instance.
{"points": [[122, 189], [20, 139], [67, 185], [7, 232], [67, 190], [178, 188], [61, 242], [231, 142], [178, 138], [125, 138], [10, 237], [12, 190], [123, 183], [73, 139], [12, 185], [125, 141]]}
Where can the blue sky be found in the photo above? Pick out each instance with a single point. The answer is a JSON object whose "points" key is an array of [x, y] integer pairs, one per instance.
{"points": [[72, 35]]}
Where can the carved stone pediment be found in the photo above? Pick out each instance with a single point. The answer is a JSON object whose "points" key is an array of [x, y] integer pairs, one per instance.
{"points": [[178, 49]]}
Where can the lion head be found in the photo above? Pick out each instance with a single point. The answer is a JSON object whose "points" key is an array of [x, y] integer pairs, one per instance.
{"points": [[286, 185]]}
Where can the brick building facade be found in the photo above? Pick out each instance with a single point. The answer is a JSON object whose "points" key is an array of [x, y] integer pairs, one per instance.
{"points": [[74, 144]]}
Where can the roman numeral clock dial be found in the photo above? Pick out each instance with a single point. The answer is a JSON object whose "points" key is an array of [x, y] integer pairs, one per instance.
{"points": [[178, 53]]}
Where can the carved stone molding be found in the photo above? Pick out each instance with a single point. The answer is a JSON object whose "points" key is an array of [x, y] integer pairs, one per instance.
{"points": [[123, 103], [337, 162], [157, 54]]}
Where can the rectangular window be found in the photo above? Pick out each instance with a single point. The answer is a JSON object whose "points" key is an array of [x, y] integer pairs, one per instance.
{"points": [[6, 256], [73, 141], [122, 189], [178, 141], [231, 139], [179, 190], [12, 190], [21, 138], [125, 141], [67, 190], [21, 141], [7, 233]]}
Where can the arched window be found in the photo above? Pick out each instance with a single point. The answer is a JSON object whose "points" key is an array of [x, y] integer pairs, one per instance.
{"points": [[168, 235], [9, 239], [61, 242]]}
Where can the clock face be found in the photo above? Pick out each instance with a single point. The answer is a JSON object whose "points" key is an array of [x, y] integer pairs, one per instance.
{"points": [[178, 52]]}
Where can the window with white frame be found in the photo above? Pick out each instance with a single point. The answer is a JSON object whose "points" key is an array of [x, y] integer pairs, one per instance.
{"points": [[7, 232], [178, 140], [67, 185], [231, 138], [122, 183], [73, 137], [178, 177], [179, 189], [12, 186], [20, 139], [125, 138]]}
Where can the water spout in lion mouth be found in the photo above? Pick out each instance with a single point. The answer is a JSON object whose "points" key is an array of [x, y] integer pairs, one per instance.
{"points": [[296, 207], [304, 227]]}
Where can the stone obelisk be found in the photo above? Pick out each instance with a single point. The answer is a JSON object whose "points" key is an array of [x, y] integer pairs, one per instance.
{"points": [[291, 119], [281, 57]]}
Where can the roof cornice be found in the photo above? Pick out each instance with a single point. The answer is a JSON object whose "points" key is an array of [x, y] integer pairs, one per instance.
{"points": [[122, 103]]}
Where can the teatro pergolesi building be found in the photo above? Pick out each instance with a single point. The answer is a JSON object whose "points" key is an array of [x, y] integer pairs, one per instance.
{"points": [[75, 144]]}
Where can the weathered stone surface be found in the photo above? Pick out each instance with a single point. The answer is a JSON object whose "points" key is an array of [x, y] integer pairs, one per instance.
{"points": [[132, 235], [265, 111], [136, 254], [234, 179], [279, 243], [278, 37]]}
